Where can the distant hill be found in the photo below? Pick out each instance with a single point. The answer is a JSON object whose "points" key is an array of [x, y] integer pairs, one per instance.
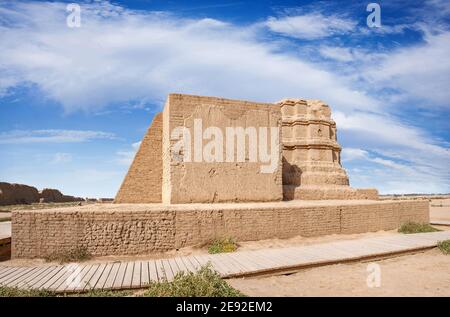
{"points": [[12, 194]]}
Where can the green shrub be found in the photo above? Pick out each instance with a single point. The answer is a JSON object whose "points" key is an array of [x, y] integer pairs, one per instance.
{"points": [[76, 254], [100, 293], [444, 246], [222, 246], [15, 292], [203, 283], [414, 227]]}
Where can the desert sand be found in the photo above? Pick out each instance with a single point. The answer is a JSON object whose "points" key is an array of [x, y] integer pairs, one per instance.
{"points": [[421, 274]]}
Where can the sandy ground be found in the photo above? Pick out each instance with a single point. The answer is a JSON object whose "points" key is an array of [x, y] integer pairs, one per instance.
{"points": [[440, 209], [421, 274]]}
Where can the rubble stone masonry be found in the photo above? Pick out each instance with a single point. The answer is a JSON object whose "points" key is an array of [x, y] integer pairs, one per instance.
{"points": [[126, 229]]}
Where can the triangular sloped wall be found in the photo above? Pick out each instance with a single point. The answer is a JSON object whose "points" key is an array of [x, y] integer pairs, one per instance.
{"points": [[143, 182]]}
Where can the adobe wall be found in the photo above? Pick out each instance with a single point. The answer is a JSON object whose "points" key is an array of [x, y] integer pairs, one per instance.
{"points": [[201, 181], [312, 167], [143, 182], [146, 228]]}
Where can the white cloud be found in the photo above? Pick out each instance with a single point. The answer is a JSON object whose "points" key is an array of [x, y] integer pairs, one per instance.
{"points": [[51, 136], [125, 157], [410, 161], [421, 70], [441, 7], [62, 158], [388, 131], [342, 54], [310, 26], [136, 145], [350, 154], [148, 55]]}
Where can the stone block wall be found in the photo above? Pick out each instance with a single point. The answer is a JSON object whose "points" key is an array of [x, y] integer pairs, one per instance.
{"points": [[143, 182], [197, 180], [143, 229]]}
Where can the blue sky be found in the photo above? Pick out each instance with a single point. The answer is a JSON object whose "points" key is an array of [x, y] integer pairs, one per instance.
{"points": [[75, 102]]}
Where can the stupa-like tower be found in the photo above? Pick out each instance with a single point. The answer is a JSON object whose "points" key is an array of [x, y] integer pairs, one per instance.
{"points": [[311, 155]]}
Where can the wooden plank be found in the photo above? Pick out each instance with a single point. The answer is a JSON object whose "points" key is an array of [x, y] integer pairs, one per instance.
{"points": [[174, 266], [94, 279], [75, 282], [145, 274], [398, 242], [232, 265], [54, 278], [239, 266], [89, 270], [263, 262], [217, 264], [128, 277], [299, 256], [70, 270], [245, 261], [250, 262], [280, 257], [17, 280], [18, 283], [326, 252], [160, 270], [181, 265], [136, 278], [39, 270], [104, 277], [164, 267], [5, 270], [85, 281], [201, 260], [120, 275], [30, 282], [402, 240], [48, 276], [187, 264], [193, 262], [167, 270], [110, 280], [12, 275], [153, 271], [73, 279]]}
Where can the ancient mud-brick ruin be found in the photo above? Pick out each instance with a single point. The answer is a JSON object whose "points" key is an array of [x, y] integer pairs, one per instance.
{"points": [[311, 154], [190, 183], [308, 156]]}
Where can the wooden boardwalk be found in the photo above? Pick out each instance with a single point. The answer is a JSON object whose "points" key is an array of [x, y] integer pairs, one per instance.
{"points": [[137, 274], [440, 222]]}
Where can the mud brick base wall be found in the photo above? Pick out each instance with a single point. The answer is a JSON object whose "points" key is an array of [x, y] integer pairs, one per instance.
{"points": [[126, 230]]}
